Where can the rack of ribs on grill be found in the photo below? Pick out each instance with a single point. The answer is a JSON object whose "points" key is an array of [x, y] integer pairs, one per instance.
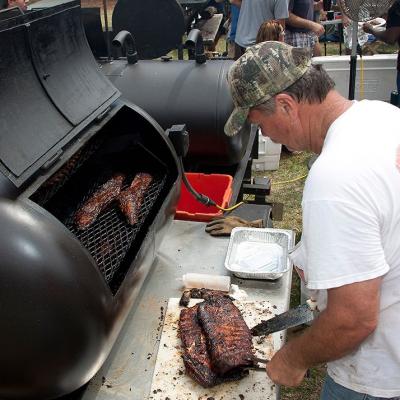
{"points": [[217, 344], [131, 199], [98, 201]]}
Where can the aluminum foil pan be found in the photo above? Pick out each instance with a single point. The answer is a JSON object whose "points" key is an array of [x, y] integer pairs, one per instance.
{"points": [[256, 253]]}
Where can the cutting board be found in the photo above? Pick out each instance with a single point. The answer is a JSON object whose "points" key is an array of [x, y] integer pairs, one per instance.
{"points": [[170, 381]]}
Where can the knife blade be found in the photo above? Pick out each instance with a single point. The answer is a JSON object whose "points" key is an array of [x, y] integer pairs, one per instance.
{"points": [[295, 316]]}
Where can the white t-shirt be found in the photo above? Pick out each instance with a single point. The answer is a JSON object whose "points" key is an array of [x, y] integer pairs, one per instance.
{"points": [[351, 233]]}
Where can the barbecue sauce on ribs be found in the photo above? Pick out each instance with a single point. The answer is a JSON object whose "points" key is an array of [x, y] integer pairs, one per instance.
{"points": [[96, 203], [131, 199], [216, 341], [229, 339], [195, 356]]}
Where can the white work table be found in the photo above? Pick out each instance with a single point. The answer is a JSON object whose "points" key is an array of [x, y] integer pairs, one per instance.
{"points": [[128, 371]]}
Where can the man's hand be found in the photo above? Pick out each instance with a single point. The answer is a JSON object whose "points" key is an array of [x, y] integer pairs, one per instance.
{"points": [[283, 371], [368, 28], [350, 317], [318, 29]]}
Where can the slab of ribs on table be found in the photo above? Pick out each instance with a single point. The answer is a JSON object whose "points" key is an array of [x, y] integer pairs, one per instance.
{"points": [[216, 342]]}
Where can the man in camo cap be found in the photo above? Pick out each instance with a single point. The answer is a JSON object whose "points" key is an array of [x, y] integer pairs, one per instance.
{"points": [[349, 252], [265, 70]]}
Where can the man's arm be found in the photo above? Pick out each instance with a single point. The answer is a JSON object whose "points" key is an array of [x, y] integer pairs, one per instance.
{"points": [[350, 317], [237, 3], [299, 22], [389, 35]]}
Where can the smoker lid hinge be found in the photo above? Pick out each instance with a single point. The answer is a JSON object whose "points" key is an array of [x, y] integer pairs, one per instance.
{"points": [[49, 163], [103, 114]]}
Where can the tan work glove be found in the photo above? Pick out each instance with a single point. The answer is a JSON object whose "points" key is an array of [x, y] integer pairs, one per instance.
{"points": [[222, 226]]}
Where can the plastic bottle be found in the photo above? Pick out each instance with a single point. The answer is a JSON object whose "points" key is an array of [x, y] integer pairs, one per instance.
{"points": [[215, 282]]}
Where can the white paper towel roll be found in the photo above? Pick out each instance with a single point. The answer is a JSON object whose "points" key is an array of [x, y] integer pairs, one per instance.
{"points": [[214, 282]]}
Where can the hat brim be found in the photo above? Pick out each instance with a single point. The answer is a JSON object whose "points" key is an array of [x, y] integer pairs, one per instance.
{"points": [[236, 121]]}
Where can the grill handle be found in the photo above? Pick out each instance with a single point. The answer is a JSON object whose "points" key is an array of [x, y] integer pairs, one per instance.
{"points": [[124, 39]]}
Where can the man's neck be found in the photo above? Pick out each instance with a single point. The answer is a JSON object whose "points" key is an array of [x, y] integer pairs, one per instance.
{"points": [[320, 116]]}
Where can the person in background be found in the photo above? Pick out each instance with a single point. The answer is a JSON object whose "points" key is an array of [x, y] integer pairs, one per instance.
{"points": [[301, 30], [350, 250], [234, 50], [391, 34], [22, 4], [270, 30], [253, 13]]}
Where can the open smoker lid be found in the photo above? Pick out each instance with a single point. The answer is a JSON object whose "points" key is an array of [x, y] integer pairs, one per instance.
{"points": [[50, 88]]}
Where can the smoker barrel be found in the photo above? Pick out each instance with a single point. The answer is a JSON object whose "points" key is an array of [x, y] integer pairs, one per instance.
{"points": [[194, 94], [65, 291], [53, 304]]}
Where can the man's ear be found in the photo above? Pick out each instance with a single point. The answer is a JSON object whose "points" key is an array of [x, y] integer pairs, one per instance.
{"points": [[286, 103]]}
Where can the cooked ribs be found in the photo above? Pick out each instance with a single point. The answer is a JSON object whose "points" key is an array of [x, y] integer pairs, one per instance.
{"points": [[198, 294], [216, 341], [96, 203], [195, 356], [131, 199], [65, 171], [229, 340]]}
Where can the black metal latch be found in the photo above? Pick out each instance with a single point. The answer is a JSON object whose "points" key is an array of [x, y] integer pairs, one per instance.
{"points": [[49, 163], [257, 192], [179, 138]]}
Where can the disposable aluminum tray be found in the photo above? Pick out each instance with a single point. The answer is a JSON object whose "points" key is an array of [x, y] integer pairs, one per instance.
{"points": [[255, 253]]}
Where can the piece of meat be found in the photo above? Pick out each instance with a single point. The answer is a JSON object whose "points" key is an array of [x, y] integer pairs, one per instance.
{"points": [[229, 340], [98, 201], [198, 294], [131, 199], [65, 170], [185, 299], [205, 293], [195, 356]]}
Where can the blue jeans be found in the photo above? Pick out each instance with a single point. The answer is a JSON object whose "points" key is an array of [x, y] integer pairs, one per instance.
{"points": [[334, 391]]}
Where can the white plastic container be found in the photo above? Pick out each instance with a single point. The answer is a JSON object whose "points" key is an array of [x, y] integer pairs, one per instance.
{"points": [[266, 163], [269, 154], [266, 147], [214, 282]]}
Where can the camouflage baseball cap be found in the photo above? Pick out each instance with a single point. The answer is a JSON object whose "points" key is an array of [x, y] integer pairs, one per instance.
{"points": [[263, 71]]}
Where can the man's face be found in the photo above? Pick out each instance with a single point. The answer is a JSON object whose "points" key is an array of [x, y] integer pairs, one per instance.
{"points": [[22, 4], [283, 126]]}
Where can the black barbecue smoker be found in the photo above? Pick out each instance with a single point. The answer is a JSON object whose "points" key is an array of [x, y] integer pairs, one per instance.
{"points": [[194, 91], [65, 292]]}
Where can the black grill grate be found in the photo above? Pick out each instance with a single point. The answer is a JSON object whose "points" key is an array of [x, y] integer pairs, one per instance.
{"points": [[110, 237], [110, 240]]}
